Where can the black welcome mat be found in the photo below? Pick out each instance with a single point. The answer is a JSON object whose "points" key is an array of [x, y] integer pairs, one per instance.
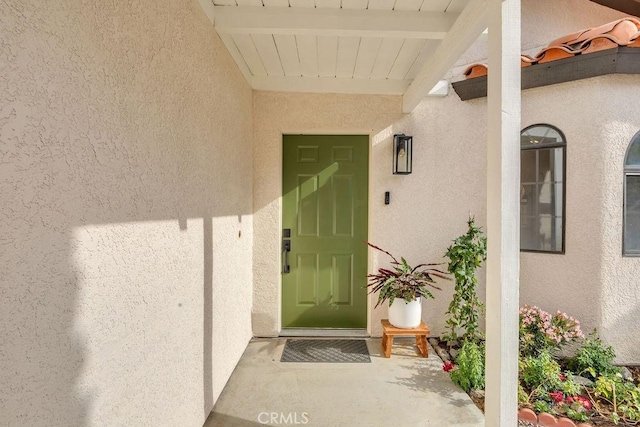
{"points": [[325, 351]]}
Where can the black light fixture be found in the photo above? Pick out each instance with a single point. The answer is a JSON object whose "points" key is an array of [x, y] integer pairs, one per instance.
{"points": [[402, 154]]}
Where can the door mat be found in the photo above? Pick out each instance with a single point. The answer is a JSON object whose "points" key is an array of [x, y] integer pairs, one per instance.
{"points": [[325, 351]]}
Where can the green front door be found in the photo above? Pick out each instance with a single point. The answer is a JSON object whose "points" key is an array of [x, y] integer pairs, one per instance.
{"points": [[324, 207]]}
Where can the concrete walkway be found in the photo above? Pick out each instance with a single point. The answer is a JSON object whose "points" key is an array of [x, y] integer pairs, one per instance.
{"points": [[405, 390]]}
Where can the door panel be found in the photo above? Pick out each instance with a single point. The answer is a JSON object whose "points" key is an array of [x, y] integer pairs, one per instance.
{"points": [[324, 203]]}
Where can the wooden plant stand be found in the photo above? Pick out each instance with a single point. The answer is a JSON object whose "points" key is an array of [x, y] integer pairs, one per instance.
{"points": [[389, 331]]}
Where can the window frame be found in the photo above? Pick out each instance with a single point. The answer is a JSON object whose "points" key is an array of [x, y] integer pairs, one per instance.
{"points": [[562, 145], [628, 170]]}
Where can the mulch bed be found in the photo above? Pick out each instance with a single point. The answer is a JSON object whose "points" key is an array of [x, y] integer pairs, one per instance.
{"points": [[445, 352]]}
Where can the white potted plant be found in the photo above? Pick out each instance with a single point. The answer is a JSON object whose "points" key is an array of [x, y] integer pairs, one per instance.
{"points": [[404, 287]]}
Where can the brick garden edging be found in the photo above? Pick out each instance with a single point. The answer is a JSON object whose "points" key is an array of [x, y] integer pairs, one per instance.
{"points": [[547, 420]]}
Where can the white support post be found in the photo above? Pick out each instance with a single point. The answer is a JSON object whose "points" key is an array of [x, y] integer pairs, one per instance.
{"points": [[503, 214]]}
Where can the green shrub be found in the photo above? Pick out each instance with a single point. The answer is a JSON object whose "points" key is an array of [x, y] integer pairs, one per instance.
{"points": [[623, 396], [570, 387], [542, 406], [541, 373], [594, 359], [469, 370]]}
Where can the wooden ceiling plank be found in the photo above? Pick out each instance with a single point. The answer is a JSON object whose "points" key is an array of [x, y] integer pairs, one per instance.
{"points": [[367, 53], [328, 4], [302, 3], [327, 55], [249, 3], [248, 50], [435, 5], [268, 53], [412, 5], [347, 55], [406, 58], [389, 50], [456, 6], [276, 3], [428, 48], [308, 54], [381, 4], [288, 51], [355, 4]]}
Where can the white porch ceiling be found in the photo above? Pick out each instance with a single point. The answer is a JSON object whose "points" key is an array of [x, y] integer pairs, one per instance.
{"points": [[346, 46]]}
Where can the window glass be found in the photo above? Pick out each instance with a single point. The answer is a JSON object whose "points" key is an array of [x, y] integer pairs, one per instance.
{"points": [[631, 234], [632, 216], [633, 156], [542, 189]]}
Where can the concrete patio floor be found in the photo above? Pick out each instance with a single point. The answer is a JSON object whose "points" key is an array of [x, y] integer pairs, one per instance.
{"points": [[405, 390]]}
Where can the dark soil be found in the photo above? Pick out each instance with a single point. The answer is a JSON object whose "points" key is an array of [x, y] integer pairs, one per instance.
{"points": [[596, 420]]}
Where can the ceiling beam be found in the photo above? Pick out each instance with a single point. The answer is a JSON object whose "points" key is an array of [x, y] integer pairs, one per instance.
{"points": [[470, 24], [328, 85], [333, 22]]}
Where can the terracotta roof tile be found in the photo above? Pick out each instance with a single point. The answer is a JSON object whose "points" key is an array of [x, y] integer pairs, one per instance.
{"points": [[475, 70], [622, 32]]}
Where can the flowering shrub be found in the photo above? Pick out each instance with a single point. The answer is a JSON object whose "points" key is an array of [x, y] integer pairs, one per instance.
{"points": [[447, 366], [541, 331]]}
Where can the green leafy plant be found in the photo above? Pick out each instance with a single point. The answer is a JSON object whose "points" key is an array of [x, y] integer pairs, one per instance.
{"points": [[466, 255], [404, 281], [468, 372], [540, 373], [594, 359], [542, 406], [541, 331], [622, 396]]}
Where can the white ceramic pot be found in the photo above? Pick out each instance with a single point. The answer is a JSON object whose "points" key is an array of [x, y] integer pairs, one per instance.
{"points": [[405, 315]]}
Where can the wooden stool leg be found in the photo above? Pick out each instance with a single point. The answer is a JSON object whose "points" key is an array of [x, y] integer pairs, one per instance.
{"points": [[419, 344], [425, 346], [387, 350], [384, 343]]}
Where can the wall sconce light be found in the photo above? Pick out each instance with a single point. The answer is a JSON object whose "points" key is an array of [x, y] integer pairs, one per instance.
{"points": [[402, 154]]}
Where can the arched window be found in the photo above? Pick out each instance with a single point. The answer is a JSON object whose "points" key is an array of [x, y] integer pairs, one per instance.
{"points": [[542, 189], [631, 233]]}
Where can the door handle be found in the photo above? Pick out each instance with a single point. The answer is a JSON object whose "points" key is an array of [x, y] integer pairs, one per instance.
{"points": [[286, 248]]}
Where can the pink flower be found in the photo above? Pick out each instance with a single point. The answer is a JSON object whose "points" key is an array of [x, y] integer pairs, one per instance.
{"points": [[563, 377], [583, 401], [447, 366], [557, 396]]}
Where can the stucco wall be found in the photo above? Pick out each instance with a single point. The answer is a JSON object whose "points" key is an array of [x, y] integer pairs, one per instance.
{"points": [[276, 114], [620, 276], [428, 208], [125, 182]]}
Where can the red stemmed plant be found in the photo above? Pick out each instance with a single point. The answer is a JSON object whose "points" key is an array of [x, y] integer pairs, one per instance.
{"points": [[404, 281]]}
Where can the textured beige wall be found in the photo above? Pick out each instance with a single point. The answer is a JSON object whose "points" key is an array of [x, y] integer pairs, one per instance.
{"points": [[427, 209], [592, 280], [125, 180], [276, 114]]}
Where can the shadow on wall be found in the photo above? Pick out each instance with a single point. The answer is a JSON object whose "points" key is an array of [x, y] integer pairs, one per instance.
{"points": [[112, 152]]}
